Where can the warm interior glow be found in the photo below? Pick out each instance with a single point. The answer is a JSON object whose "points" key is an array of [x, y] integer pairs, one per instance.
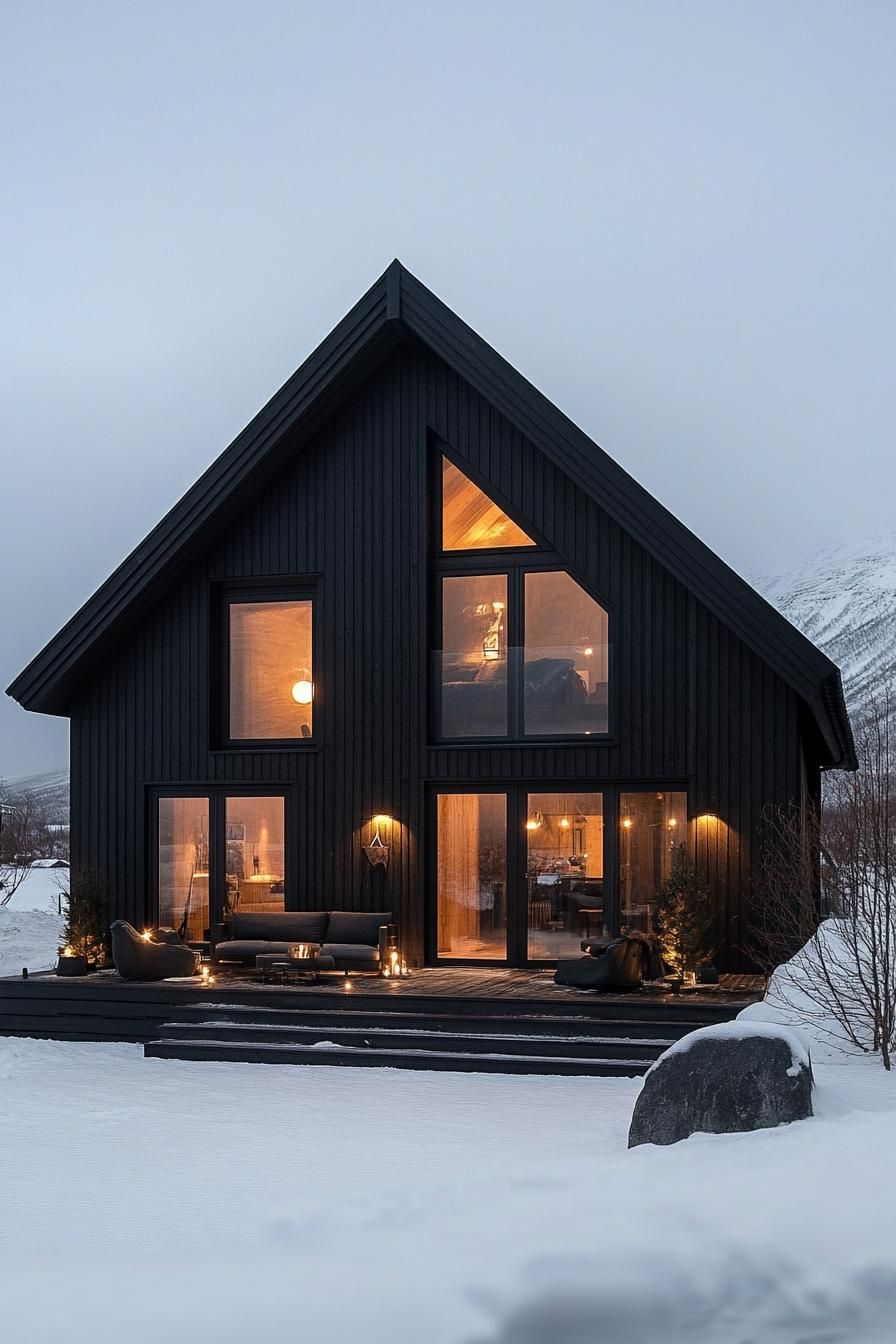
{"points": [[302, 692], [472, 521], [472, 875], [183, 866], [254, 868], [270, 649], [532, 825], [564, 873], [654, 824]]}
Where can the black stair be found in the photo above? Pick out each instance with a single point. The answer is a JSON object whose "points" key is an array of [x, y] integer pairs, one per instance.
{"points": [[603, 1041]]}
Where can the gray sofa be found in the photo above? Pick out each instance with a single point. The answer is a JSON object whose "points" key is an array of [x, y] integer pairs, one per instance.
{"points": [[356, 941], [138, 958]]}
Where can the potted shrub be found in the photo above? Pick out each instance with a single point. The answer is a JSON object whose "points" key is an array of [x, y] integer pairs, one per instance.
{"points": [[85, 924], [684, 921]]}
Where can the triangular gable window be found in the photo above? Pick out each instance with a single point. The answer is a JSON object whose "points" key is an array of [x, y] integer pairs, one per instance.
{"points": [[470, 520]]}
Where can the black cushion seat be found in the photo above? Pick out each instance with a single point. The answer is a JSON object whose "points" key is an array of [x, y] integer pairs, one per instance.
{"points": [[352, 956], [619, 967], [138, 958], [245, 950]]}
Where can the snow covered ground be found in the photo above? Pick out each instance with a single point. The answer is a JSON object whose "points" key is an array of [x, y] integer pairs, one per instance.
{"points": [[184, 1201], [30, 926]]}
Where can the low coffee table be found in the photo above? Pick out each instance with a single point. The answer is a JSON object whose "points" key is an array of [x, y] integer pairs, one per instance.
{"points": [[277, 967]]}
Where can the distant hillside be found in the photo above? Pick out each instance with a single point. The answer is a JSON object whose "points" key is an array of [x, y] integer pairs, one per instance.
{"points": [[50, 789]]}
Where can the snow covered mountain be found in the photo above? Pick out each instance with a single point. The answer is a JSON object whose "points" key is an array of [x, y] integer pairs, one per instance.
{"points": [[844, 598]]}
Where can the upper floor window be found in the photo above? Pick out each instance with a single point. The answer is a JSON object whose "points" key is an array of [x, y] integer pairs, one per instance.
{"points": [[566, 657], [271, 681], [470, 520], [524, 653]]}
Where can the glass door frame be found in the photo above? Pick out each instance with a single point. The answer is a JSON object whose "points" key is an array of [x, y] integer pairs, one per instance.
{"points": [[217, 794], [517, 796]]}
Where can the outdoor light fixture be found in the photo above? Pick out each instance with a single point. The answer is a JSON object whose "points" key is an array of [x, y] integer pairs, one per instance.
{"points": [[378, 851], [147, 935], [302, 692]]}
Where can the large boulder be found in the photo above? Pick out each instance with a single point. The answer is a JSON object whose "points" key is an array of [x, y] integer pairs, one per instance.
{"points": [[724, 1079]]}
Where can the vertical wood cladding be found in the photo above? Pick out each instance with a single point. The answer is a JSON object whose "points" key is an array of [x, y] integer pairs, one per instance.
{"points": [[690, 703]]}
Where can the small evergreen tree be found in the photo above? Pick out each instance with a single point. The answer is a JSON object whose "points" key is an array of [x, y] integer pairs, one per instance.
{"points": [[683, 917], [85, 918]]}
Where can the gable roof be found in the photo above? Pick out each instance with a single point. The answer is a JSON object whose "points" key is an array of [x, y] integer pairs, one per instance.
{"points": [[397, 304]]}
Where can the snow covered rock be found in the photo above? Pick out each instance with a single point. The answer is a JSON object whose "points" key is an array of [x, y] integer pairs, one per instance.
{"points": [[723, 1079]]}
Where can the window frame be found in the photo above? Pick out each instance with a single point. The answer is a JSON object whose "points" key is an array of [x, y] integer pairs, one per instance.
{"points": [[234, 592], [514, 565], [216, 795]]}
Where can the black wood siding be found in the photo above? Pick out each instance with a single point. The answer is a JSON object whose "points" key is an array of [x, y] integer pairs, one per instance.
{"points": [[692, 703]]}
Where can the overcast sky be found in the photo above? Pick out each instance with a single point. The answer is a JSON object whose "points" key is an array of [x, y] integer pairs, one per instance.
{"points": [[676, 219]]}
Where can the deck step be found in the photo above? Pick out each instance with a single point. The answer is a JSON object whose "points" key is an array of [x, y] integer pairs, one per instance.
{"points": [[385, 1037], [658, 1025], [454, 1061]]}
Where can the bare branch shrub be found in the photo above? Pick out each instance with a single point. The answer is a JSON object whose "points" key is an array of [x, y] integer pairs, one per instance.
{"points": [[827, 901]]}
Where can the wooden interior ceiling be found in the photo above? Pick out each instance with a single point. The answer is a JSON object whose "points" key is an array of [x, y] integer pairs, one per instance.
{"points": [[472, 521]]}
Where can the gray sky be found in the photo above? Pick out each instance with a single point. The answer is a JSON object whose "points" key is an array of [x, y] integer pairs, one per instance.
{"points": [[677, 219]]}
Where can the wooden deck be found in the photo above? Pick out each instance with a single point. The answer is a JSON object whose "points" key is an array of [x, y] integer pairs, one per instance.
{"points": [[442, 982], [448, 1018]]}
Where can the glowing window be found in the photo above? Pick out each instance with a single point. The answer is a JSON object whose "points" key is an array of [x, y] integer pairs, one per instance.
{"points": [[271, 683], [470, 520]]}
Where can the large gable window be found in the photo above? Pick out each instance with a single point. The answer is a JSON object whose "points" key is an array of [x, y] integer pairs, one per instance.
{"points": [[271, 682], [474, 655], [470, 520], [566, 655], [522, 650]]}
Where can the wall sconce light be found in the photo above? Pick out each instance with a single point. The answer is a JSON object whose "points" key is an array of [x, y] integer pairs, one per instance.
{"points": [[564, 823], [534, 822], [627, 823], [378, 851]]}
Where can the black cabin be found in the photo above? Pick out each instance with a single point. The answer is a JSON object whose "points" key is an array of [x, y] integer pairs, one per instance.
{"points": [[413, 613]]}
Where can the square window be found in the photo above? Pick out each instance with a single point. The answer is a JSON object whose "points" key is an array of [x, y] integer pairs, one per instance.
{"points": [[271, 680]]}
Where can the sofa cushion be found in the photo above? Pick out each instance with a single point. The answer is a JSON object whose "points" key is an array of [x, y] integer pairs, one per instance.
{"points": [[350, 926], [294, 926], [247, 949], [352, 951]]}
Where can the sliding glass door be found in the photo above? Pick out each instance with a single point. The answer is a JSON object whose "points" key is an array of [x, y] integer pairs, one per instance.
{"points": [[564, 873], [471, 882], [217, 853], [524, 876], [183, 866], [519, 875]]}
